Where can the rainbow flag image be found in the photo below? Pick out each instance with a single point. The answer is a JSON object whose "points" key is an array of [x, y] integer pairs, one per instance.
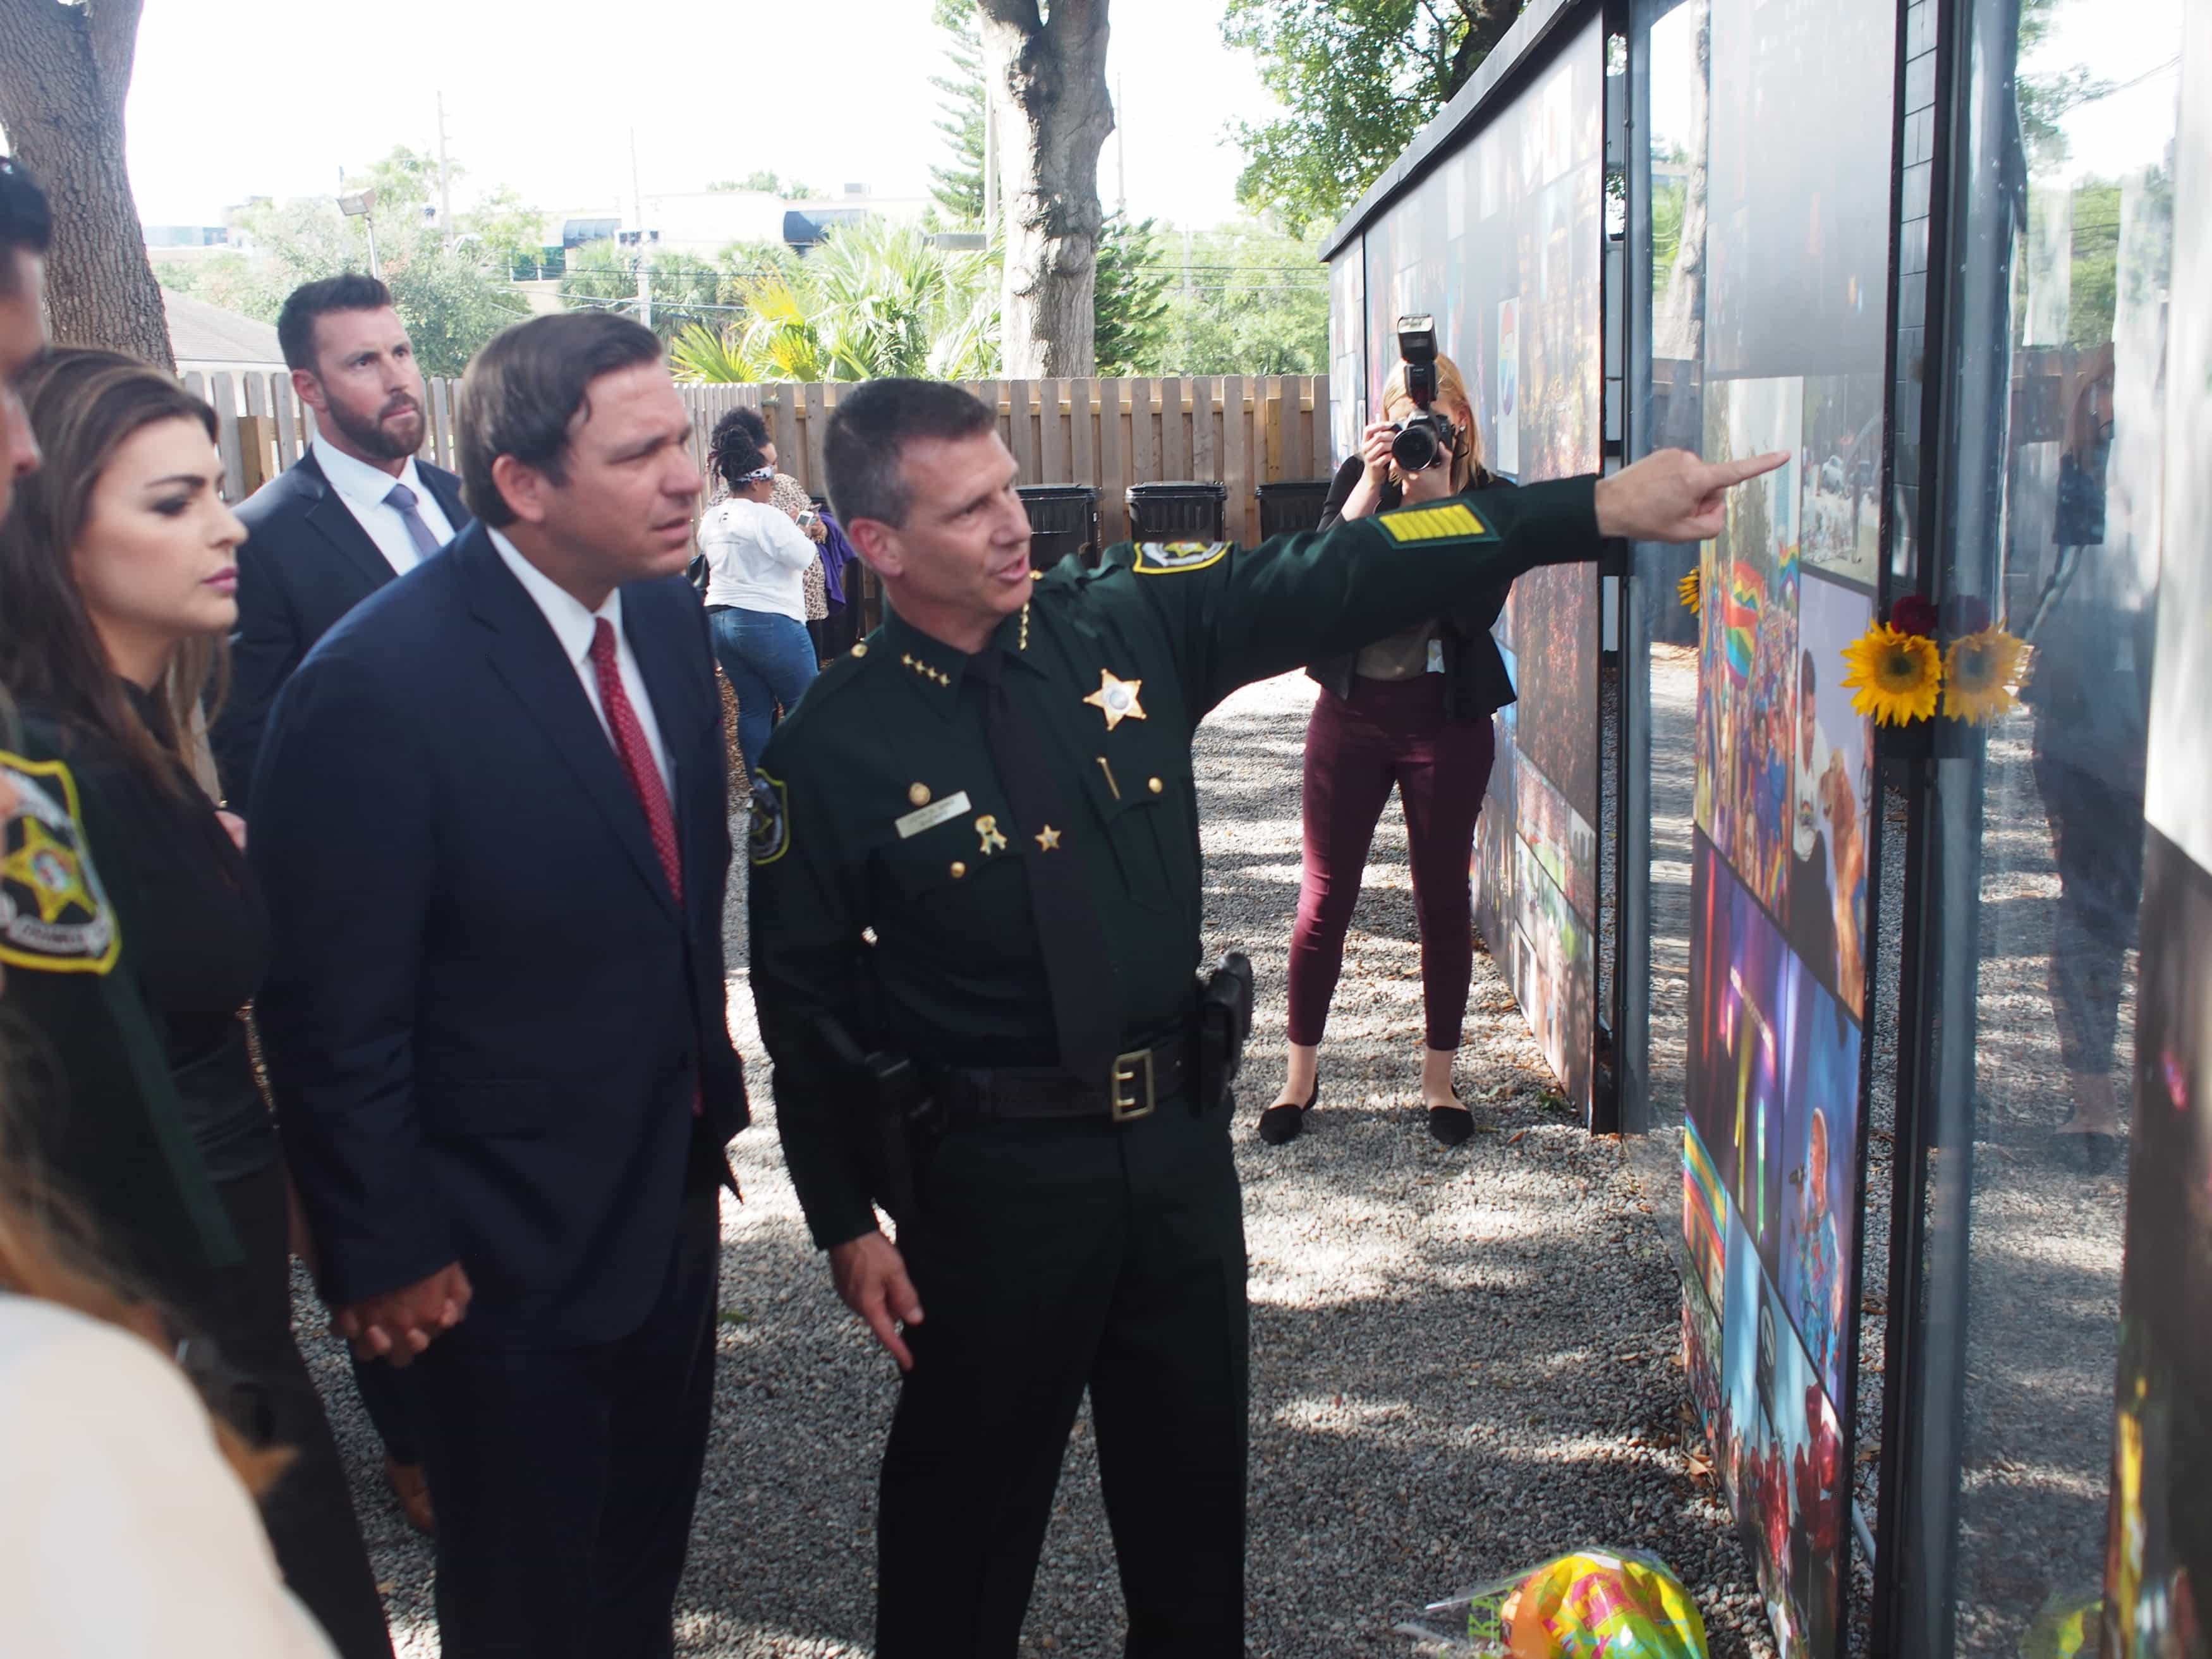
{"points": [[1739, 607]]}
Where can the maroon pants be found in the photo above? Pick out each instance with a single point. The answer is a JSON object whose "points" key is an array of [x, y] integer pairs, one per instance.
{"points": [[1386, 732]]}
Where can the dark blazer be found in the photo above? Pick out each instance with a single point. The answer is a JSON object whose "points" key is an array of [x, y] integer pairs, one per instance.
{"points": [[1475, 681], [306, 562], [487, 1020]]}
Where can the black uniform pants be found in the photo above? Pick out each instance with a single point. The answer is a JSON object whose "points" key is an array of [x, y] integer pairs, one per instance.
{"points": [[565, 1476], [1050, 1258], [257, 1380]]}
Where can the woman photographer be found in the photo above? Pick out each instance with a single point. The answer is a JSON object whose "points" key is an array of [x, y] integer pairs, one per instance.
{"points": [[1412, 710]]}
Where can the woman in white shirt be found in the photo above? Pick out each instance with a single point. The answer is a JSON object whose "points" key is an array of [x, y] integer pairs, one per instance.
{"points": [[756, 565]]}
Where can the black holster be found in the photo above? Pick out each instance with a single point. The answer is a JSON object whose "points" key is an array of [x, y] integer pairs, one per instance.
{"points": [[1224, 1021], [896, 1107]]}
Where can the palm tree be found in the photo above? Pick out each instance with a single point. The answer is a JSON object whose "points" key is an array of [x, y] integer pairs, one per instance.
{"points": [[873, 299]]}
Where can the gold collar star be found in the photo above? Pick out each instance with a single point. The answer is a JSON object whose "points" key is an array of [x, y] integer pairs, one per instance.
{"points": [[1047, 839], [49, 868], [1116, 699]]}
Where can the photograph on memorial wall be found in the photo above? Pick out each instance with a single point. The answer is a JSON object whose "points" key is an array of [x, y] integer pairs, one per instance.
{"points": [[1819, 1127], [1741, 1010], [1701, 1355], [1747, 670], [2158, 1576], [1832, 772], [1704, 1217], [1502, 242], [1840, 517]]}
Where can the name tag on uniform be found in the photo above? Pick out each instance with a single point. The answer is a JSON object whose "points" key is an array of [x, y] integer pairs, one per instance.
{"points": [[930, 817]]}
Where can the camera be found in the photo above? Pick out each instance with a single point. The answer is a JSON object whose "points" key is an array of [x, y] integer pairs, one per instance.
{"points": [[1425, 439]]}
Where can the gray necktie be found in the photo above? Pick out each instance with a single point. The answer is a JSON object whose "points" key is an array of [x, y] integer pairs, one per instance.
{"points": [[401, 500]]}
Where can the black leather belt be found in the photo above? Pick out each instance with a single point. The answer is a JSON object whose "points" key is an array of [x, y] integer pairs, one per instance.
{"points": [[1135, 1084]]}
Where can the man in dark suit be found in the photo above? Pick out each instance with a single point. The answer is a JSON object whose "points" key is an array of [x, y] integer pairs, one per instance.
{"points": [[491, 818], [355, 510]]}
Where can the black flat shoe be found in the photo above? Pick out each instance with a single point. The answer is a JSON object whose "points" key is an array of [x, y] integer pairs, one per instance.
{"points": [[1451, 1125], [2093, 1150], [1285, 1121]]}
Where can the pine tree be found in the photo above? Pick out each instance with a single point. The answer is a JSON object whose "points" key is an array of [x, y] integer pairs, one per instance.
{"points": [[958, 189], [1129, 302]]}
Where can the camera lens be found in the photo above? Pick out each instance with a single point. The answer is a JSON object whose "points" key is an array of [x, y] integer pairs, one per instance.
{"points": [[1417, 447]]}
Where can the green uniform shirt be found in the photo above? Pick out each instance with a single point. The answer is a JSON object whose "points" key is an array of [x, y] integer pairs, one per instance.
{"points": [[886, 891]]}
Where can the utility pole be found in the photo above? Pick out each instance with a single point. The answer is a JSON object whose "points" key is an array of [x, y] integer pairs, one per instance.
{"points": [[1121, 157], [990, 162], [444, 179]]}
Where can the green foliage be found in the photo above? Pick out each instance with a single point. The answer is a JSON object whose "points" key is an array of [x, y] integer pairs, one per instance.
{"points": [[1250, 301], [1358, 78], [873, 299], [958, 189], [452, 299], [1129, 304]]}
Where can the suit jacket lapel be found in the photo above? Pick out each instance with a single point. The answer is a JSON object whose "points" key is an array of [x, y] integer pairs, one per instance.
{"points": [[524, 654], [330, 515]]}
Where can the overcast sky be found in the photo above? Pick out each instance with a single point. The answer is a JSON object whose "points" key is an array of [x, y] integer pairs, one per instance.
{"points": [[240, 98]]}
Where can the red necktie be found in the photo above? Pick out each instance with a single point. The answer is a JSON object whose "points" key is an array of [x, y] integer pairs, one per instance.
{"points": [[636, 756]]}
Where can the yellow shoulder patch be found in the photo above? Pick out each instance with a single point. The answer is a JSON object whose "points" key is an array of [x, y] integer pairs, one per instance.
{"points": [[54, 916], [1445, 521], [1178, 558]]}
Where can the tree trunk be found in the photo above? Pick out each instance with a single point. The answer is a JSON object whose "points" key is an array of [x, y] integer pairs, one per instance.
{"points": [[1487, 21], [1047, 76], [65, 73]]}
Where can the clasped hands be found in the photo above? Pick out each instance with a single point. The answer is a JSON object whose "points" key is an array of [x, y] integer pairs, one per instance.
{"points": [[400, 1324]]}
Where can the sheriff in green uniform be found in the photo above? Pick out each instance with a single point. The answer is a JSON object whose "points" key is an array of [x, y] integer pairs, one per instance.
{"points": [[975, 847]]}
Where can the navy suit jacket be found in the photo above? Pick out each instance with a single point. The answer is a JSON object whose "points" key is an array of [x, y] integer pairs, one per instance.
{"points": [[487, 1018], [305, 564]]}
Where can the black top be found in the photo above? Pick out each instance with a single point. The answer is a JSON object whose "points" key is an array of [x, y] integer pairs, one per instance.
{"points": [[1475, 680], [195, 940]]}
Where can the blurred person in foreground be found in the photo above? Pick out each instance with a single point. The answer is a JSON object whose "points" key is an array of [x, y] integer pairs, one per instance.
{"points": [[757, 560], [117, 572], [356, 511], [975, 911], [128, 1527], [1412, 710], [491, 817]]}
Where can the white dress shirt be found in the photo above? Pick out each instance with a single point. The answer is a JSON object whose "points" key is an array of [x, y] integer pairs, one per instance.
{"points": [[363, 488], [124, 1533], [573, 626]]}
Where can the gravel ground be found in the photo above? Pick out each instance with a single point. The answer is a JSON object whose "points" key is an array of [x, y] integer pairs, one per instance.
{"points": [[1463, 1361]]}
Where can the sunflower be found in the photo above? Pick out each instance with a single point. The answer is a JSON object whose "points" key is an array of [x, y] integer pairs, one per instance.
{"points": [[1979, 671], [1692, 587], [1897, 675]]}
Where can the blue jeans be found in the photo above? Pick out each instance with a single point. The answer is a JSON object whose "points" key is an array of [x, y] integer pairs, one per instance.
{"points": [[770, 661]]}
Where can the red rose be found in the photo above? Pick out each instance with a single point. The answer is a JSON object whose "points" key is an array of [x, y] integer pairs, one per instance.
{"points": [[1913, 615]]}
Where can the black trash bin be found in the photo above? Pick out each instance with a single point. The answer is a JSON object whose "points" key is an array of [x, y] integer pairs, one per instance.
{"points": [[1063, 519], [1187, 511], [1291, 505]]}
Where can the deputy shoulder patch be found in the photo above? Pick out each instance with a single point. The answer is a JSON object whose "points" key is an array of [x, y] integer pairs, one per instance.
{"points": [[1445, 521], [769, 836], [55, 917], [1178, 558]]}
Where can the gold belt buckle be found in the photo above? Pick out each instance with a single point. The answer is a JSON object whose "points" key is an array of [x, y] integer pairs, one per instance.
{"points": [[1131, 1095]]}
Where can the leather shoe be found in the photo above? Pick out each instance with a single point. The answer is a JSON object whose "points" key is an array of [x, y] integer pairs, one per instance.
{"points": [[1451, 1125], [411, 1489], [1286, 1120]]}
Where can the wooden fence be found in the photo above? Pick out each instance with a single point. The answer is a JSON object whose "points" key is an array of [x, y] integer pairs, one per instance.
{"points": [[1242, 430]]}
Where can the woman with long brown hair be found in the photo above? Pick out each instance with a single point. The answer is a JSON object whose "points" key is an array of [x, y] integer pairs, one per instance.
{"points": [[117, 568], [1411, 711]]}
